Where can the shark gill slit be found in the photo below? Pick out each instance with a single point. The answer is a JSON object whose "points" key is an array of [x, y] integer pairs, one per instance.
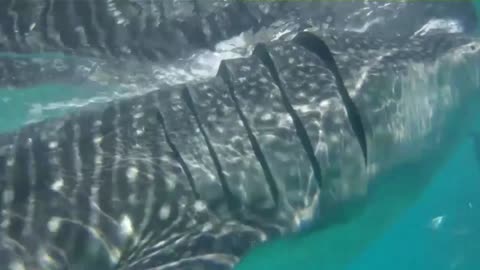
{"points": [[177, 155], [261, 52], [232, 201], [224, 73], [317, 46]]}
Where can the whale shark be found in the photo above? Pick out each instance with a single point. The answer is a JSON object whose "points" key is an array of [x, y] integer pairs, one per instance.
{"points": [[195, 175], [198, 174]]}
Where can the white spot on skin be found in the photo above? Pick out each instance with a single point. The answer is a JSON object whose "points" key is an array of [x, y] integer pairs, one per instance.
{"points": [[164, 212], [170, 185], [98, 160], [245, 68], [263, 80], [263, 237], [132, 173], [132, 199], [44, 258], [182, 202], [126, 225], [97, 140], [267, 117], [54, 224], [53, 145], [199, 206], [334, 138], [8, 196], [207, 227], [10, 162], [57, 185]]}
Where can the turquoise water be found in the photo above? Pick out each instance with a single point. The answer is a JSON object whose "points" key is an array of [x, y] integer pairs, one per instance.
{"points": [[414, 243]]}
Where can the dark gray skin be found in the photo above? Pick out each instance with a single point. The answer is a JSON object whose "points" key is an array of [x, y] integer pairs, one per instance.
{"points": [[197, 175], [159, 32]]}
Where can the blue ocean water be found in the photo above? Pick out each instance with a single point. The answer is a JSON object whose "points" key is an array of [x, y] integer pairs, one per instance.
{"points": [[442, 231]]}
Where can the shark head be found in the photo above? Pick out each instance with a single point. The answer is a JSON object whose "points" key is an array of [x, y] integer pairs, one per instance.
{"points": [[416, 105]]}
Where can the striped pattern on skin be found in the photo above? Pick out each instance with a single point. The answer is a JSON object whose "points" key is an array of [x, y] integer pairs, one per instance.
{"points": [[161, 32], [196, 175], [145, 29]]}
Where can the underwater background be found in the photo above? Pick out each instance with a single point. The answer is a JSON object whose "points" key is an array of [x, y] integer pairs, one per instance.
{"points": [[441, 230]]}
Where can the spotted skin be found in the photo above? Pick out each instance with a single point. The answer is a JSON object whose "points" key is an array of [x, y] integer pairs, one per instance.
{"points": [[64, 40], [84, 37], [142, 27], [196, 175], [149, 30]]}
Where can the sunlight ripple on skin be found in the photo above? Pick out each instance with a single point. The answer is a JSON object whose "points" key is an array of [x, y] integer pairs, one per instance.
{"points": [[199, 66]]}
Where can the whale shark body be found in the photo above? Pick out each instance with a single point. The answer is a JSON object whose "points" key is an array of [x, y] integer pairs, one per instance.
{"points": [[194, 175]]}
